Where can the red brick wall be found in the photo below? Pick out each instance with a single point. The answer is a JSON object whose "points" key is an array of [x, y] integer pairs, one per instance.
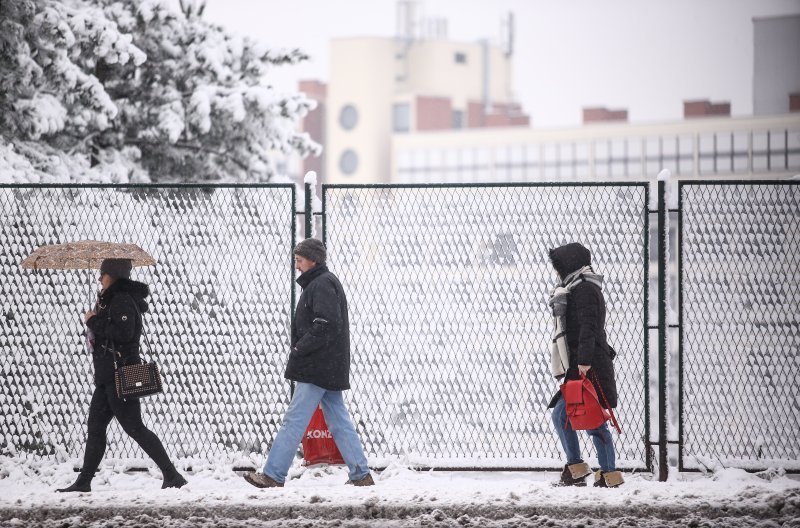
{"points": [[695, 108], [721, 109], [434, 113], [475, 115], [601, 114], [314, 89], [794, 102], [314, 124], [704, 107], [499, 115]]}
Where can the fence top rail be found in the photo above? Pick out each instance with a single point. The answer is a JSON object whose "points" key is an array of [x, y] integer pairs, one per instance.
{"points": [[682, 183], [479, 185], [146, 186]]}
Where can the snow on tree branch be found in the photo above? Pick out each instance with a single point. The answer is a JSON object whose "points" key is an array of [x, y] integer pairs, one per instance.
{"points": [[132, 90]]}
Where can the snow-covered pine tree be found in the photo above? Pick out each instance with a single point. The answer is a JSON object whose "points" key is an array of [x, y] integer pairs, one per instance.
{"points": [[49, 104], [133, 90]]}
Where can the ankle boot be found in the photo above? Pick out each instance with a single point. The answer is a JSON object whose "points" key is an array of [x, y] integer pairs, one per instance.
{"points": [[82, 484], [608, 479], [574, 475]]}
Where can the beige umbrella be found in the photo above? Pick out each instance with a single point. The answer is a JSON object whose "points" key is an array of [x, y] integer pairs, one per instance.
{"points": [[86, 254]]}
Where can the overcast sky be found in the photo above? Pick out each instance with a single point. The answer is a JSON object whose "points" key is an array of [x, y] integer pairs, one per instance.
{"points": [[644, 55]]}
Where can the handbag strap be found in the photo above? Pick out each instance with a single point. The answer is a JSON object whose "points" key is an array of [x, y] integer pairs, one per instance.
{"points": [[146, 338], [605, 403]]}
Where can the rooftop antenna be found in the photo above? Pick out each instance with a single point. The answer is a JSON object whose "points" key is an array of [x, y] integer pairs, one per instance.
{"points": [[406, 23], [509, 34]]}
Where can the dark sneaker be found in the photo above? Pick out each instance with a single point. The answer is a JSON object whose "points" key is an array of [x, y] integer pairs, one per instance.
{"points": [[608, 479], [574, 475], [366, 481], [175, 481], [260, 480]]}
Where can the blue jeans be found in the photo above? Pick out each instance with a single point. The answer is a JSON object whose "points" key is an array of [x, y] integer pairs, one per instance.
{"points": [[304, 402], [601, 437]]}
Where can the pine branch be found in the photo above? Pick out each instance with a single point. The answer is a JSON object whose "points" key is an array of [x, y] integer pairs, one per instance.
{"points": [[192, 147], [82, 142]]}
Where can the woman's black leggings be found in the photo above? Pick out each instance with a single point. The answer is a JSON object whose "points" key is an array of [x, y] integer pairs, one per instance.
{"points": [[105, 406]]}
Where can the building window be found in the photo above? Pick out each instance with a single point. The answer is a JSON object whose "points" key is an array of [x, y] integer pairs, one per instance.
{"points": [[793, 149], [708, 147], [348, 163], [348, 117], [458, 119], [686, 156], [401, 117], [778, 159], [740, 159], [460, 57]]}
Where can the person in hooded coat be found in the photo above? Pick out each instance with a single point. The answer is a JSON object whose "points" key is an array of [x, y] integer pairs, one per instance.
{"points": [[589, 355], [115, 325]]}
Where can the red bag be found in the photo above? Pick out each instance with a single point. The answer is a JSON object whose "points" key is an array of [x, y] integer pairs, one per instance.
{"points": [[318, 444], [584, 411]]}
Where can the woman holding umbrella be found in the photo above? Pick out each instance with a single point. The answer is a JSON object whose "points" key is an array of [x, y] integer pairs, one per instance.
{"points": [[115, 326]]}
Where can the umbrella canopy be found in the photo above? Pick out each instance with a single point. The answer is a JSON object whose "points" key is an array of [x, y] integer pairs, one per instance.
{"points": [[86, 254]]}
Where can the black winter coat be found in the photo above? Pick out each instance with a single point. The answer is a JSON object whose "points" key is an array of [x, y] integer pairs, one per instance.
{"points": [[320, 332], [586, 322], [117, 324]]}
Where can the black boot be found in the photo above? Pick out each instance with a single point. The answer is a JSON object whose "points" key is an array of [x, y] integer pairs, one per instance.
{"points": [[82, 484], [574, 475], [174, 480]]}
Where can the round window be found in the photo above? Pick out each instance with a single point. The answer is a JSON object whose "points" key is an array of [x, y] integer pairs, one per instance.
{"points": [[348, 163], [348, 117]]}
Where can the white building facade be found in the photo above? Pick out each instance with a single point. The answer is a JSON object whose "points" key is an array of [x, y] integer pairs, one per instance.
{"points": [[709, 148]]}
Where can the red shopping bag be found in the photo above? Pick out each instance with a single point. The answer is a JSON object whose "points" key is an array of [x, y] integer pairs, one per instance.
{"points": [[318, 444]]}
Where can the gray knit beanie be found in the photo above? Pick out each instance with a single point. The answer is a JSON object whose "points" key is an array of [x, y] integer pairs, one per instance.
{"points": [[117, 268], [313, 250]]}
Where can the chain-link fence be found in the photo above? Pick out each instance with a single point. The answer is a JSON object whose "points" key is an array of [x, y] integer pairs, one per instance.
{"points": [[447, 288], [219, 320], [740, 324]]}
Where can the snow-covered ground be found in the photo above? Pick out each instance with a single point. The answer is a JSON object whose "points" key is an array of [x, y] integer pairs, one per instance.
{"points": [[317, 497]]}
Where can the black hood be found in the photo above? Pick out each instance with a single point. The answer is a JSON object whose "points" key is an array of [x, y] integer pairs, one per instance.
{"points": [[138, 290], [569, 258]]}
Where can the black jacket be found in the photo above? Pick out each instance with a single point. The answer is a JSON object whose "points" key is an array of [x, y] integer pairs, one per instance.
{"points": [[320, 332], [117, 323], [586, 322]]}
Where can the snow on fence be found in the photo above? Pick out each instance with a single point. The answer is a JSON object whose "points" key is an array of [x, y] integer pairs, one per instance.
{"points": [[740, 332], [447, 288], [449, 318], [219, 319]]}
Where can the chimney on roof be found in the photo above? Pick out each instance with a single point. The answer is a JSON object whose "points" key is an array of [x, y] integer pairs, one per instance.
{"points": [[794, 102], [704, 108], [600, 114]]}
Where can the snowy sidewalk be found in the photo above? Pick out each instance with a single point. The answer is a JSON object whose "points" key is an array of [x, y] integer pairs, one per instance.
{"points": [[402, 497]]}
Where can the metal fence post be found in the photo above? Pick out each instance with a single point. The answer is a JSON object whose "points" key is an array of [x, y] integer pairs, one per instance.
{"points": [[663, 469], [309, 210]]}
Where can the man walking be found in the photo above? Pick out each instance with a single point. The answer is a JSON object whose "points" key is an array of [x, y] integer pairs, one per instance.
{"points": [[319, 363]]}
